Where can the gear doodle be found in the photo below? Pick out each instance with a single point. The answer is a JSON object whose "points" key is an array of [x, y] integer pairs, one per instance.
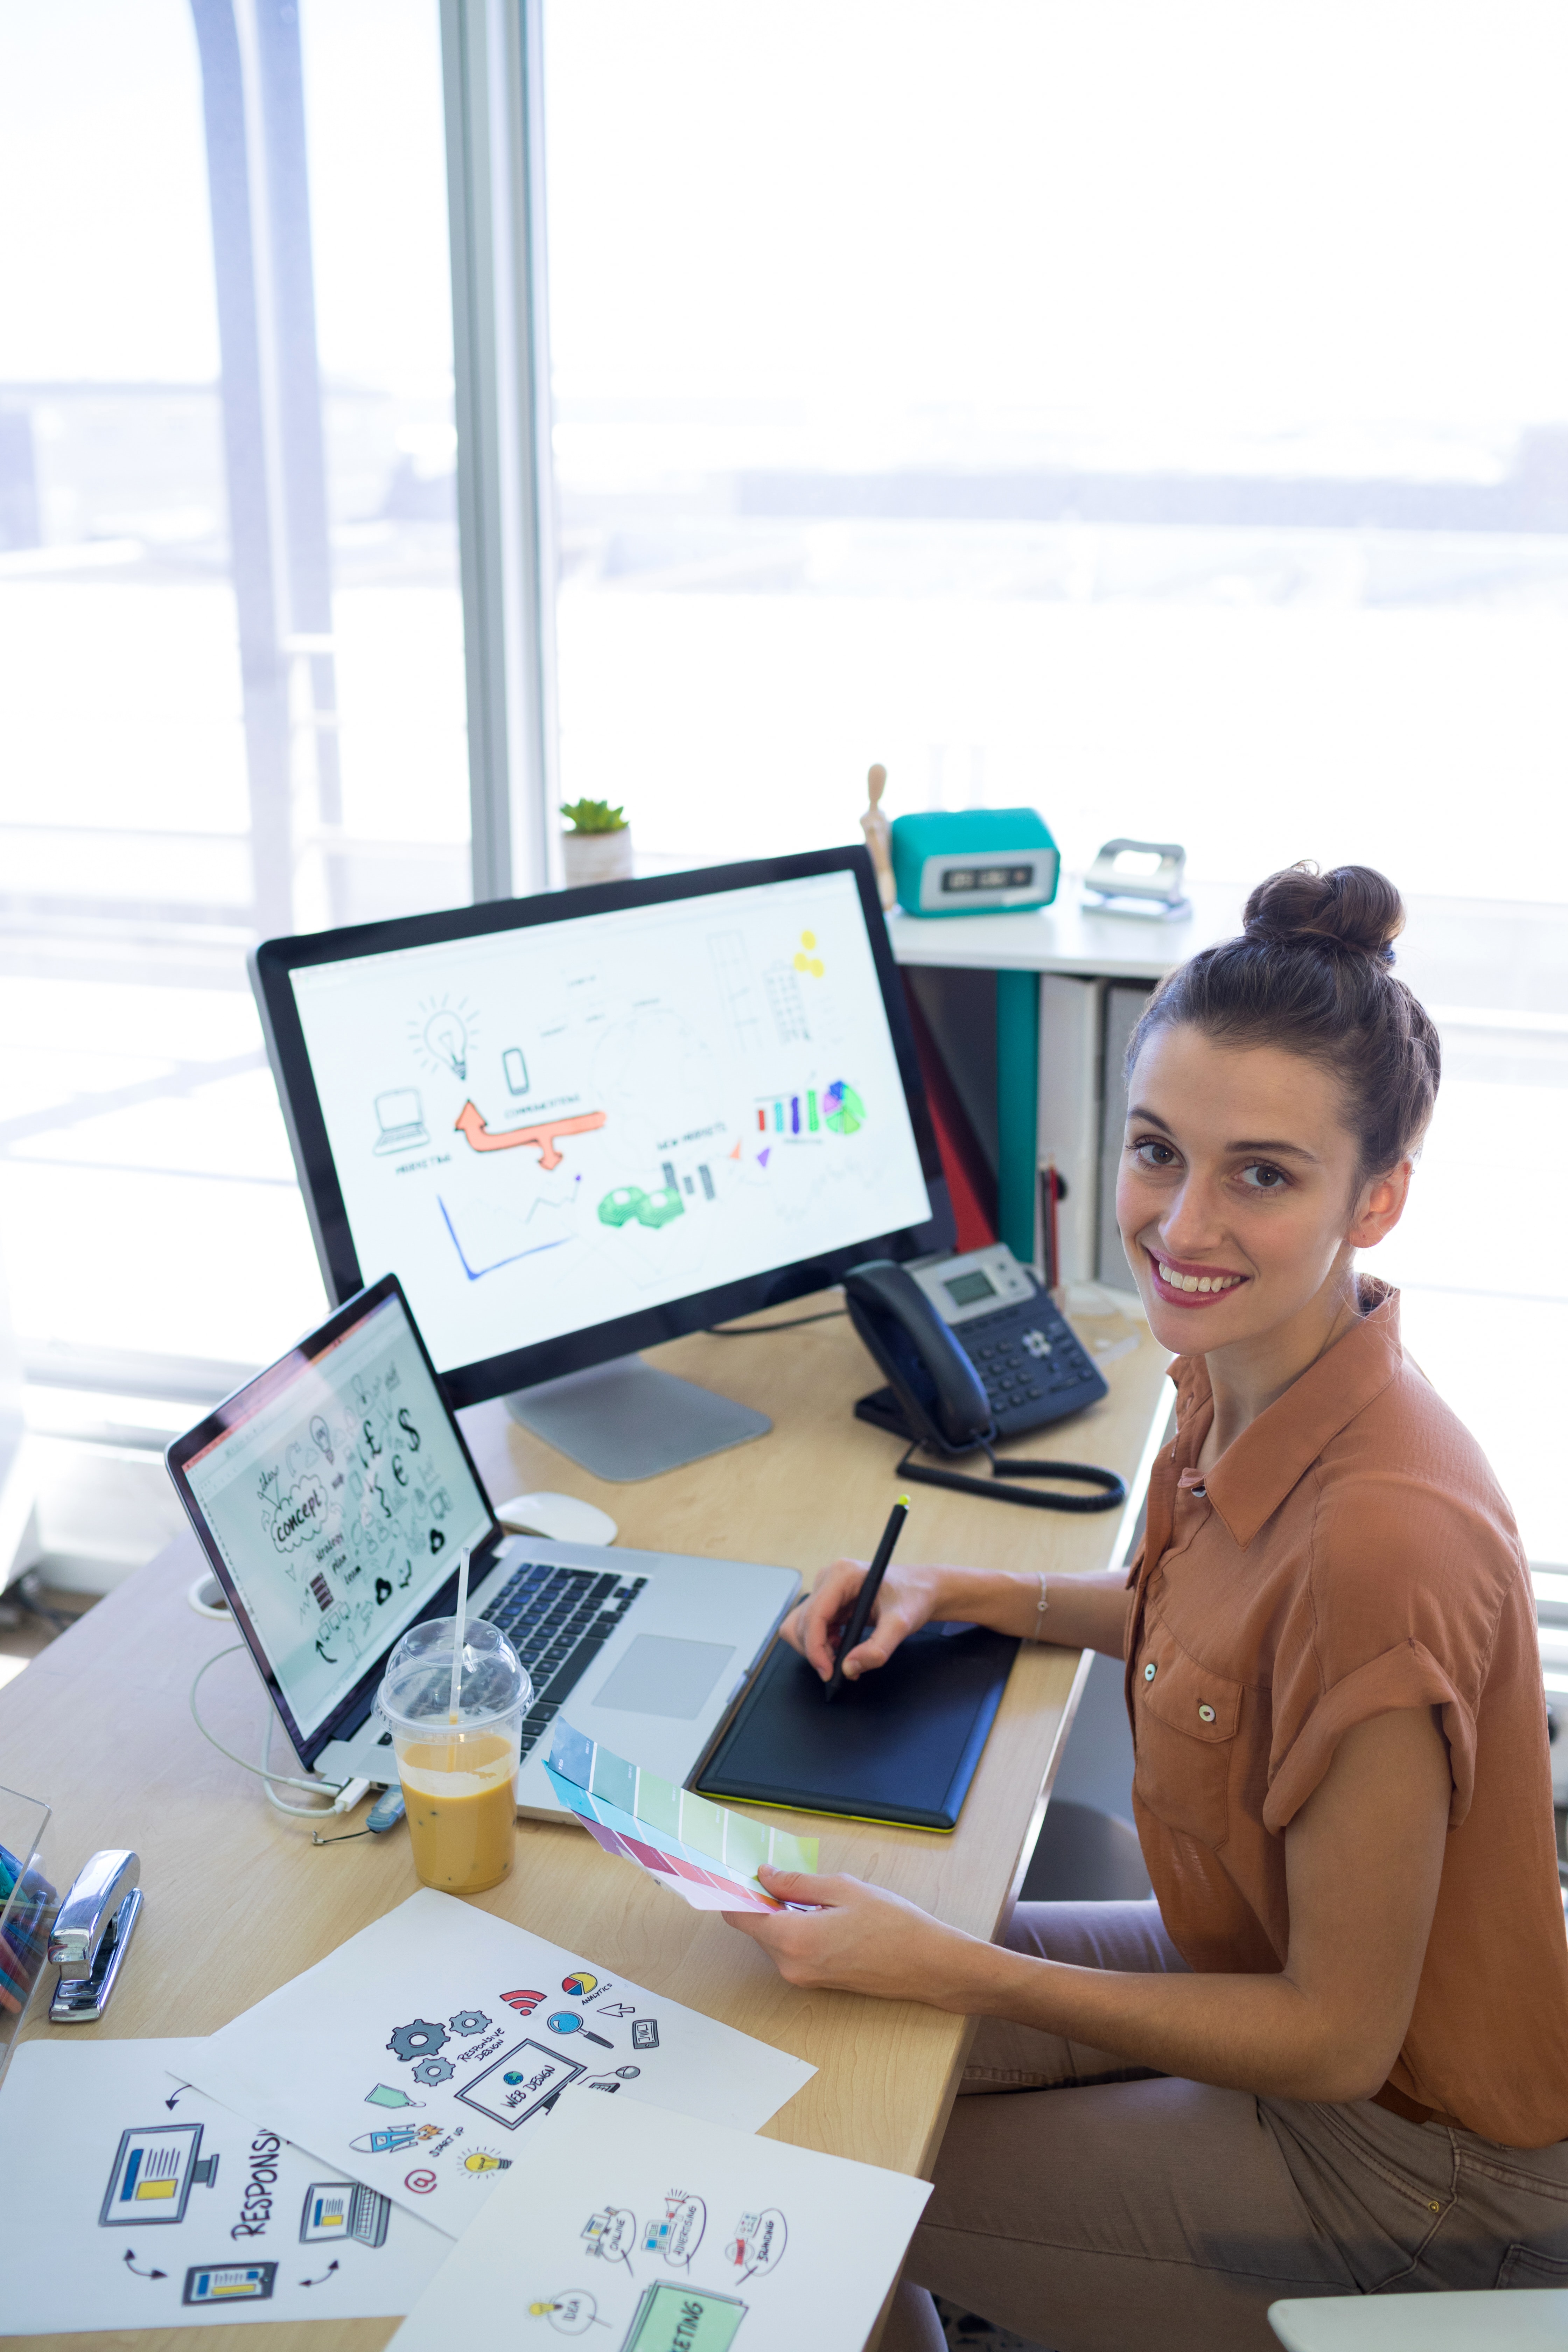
{"points": [[416, 2041], [431, 2071], [470, 2020]]}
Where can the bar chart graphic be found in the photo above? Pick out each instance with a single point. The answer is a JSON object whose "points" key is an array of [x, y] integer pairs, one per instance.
{"points": [[789, 1114], [838, 1108]]}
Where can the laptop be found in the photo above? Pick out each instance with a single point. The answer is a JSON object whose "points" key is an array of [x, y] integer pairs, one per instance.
{"points": [[333, 1494]]}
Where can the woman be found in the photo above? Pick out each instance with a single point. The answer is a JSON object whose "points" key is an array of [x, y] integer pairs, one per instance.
{"points": [[1331, 2057]]}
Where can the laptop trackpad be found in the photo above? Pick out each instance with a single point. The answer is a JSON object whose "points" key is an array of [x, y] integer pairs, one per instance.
{"points": [[660, 1676]]}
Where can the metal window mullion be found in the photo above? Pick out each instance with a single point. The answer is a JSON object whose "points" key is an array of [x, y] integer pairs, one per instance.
{"points": [[491, 69]]}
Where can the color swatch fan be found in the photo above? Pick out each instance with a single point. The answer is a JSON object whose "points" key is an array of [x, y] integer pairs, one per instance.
{"points": [[702, 1851]]}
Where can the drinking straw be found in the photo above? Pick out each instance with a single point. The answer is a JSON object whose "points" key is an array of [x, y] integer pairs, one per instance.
{"points": [[458, 1648]]}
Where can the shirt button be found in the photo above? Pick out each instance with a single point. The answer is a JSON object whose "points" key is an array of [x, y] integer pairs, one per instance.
{"points": [[1205, 1715], [1149, 1672]]}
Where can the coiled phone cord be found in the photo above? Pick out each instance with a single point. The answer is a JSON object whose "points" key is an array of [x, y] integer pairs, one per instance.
{"points": [[997, 1488]]}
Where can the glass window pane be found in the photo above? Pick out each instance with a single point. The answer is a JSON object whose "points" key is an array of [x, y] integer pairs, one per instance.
{"points": [[1149, 413], [231, 650], [1154, 414]]}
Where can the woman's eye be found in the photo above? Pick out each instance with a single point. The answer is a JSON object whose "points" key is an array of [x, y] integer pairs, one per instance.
{"points": [[1152, 1154], [1261, 1178]]}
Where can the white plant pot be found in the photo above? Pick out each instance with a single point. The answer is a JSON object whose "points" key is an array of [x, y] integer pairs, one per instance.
{"points": [[597, 856]]}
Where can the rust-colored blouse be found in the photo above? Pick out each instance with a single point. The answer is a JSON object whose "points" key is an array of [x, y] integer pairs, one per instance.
{"points": [[1351, 1553]]}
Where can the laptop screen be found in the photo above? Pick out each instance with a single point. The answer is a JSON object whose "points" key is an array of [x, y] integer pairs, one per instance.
{"points": [[339, 1496]]}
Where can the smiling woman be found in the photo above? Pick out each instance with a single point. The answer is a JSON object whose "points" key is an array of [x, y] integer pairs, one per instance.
{"points": [[1332, 2055]]}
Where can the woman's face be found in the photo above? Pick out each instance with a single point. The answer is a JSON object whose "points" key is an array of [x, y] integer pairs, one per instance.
{"points": [[1238, 1197]]}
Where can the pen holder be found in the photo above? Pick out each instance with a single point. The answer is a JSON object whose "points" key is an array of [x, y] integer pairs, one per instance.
{"points": [[28, 1904]]}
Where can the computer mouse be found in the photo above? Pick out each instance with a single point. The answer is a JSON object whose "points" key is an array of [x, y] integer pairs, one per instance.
{"points": [[562, 1518]]}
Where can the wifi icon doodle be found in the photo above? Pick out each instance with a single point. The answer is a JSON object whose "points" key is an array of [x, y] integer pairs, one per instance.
{"points": [[525, 2003]]}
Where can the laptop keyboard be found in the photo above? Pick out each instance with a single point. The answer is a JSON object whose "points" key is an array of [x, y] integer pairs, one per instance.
{"points": [[558, 1619]]}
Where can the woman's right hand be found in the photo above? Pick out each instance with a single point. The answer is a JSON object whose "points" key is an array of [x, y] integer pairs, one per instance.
{"points": [[909, 1598]]}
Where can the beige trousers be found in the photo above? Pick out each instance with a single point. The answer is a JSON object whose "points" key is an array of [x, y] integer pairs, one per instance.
{"points": [[1093, 2207]]}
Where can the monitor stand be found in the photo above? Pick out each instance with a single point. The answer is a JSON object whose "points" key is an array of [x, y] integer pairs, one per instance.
{"points": [[624, 1421]]}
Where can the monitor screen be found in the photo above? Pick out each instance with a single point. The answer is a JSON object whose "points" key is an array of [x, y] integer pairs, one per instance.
{"points": [[334, 1494], [566, 1121]]}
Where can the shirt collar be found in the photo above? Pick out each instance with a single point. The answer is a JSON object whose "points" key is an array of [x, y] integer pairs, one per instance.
{"points": [[1253, 1476]]}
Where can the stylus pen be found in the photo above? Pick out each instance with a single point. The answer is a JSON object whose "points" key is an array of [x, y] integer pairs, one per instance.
{"points": [[865, 1600]]}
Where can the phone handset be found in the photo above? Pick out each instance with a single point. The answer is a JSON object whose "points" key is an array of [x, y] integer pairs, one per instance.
{"points": [[941, 1398]]}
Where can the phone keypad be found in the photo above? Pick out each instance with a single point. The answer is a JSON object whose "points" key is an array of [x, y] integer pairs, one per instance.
{"points": [[1030, 1364]]}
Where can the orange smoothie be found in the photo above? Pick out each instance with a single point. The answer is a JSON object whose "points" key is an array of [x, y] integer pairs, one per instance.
{"points": [[463, 1823]]}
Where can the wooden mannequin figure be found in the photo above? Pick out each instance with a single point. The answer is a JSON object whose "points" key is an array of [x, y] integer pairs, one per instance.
{"points": [[879, 835]]}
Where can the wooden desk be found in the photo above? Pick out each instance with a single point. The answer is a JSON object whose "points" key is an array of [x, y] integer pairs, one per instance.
{"points": [[238, 1900]]}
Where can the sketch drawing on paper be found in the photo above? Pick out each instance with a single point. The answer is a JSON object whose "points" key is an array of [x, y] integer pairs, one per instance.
{"points": [[611, 2233], [521, 2083], [758, 2244], [342, 2209], [218, 2283], [676, 2233], [570, 2314], [155, 2168], [693, 2318]]}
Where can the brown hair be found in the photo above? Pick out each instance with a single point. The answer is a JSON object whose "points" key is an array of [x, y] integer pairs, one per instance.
{"points": [[1311, 971]]}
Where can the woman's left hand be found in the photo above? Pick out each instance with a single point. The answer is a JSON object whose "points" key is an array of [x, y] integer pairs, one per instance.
{"points": [[860, 1939]]}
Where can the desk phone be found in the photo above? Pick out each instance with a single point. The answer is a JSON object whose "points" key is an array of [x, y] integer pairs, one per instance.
{"points": [[1029, 1363]]}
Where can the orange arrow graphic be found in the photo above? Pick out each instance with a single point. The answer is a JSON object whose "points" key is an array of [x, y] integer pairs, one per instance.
{"points": [[470, 1122]]}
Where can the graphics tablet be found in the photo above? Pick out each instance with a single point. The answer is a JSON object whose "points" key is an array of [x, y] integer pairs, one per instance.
{"points": [[900, 1744]]}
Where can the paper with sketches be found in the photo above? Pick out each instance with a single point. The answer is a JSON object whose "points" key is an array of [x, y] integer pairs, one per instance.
{"points": [[702, 1851], [655, 2233], [131, 2200], [423, 2054]]}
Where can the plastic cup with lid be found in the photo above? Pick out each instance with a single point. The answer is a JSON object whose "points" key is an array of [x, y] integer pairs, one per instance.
{"points": [[458, 1772]]}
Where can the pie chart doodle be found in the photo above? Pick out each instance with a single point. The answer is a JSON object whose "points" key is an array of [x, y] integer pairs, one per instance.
{"points": [[845, 1113], [581, 1984]]}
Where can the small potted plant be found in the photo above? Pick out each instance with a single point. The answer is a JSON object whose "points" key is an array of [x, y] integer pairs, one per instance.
{"points": [[597, 844]]}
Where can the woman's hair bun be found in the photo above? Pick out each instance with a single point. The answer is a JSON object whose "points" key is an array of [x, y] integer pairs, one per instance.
{"points": [[1355, 906]]}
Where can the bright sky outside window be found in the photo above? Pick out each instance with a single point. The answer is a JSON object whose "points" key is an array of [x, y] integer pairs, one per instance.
{"points": [[183, 762]]}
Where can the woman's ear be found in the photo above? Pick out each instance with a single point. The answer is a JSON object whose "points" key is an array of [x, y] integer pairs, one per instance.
{"points": [[1381, 1205]]}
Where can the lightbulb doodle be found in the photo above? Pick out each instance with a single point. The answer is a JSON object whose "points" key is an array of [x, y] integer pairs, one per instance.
{"points": [[571, 2312], [441, 1034]]}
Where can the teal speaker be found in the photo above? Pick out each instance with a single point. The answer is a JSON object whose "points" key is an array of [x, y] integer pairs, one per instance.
{"points": [[975, 862]]}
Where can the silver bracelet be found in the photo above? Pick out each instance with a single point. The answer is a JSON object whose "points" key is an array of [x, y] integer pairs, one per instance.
{"points": [[1040, 1608]]}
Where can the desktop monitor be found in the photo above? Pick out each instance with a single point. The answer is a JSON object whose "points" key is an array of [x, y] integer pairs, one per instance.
{"points": [[579, 1124]]}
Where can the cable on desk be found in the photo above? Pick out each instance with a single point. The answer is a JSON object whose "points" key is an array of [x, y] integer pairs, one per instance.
{"points": [[334, 1789], [762, 1331]]}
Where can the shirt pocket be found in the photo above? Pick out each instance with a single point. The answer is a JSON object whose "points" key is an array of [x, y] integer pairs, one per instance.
{"points": [[1187, 1718]]}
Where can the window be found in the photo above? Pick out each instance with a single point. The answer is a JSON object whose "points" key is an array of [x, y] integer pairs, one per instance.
{"points": [[1150, 412], [231, 643]]}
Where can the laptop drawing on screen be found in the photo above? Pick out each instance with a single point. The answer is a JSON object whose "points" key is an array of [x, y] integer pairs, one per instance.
{"points": [[333, 1495], [400, 1116]]}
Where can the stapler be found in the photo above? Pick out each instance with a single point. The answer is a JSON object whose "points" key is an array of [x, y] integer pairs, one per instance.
{"points": [[92, 1930]]}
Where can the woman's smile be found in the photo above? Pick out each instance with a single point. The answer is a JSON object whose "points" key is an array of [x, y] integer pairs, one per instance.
{"points": [[1183, 1283]]}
